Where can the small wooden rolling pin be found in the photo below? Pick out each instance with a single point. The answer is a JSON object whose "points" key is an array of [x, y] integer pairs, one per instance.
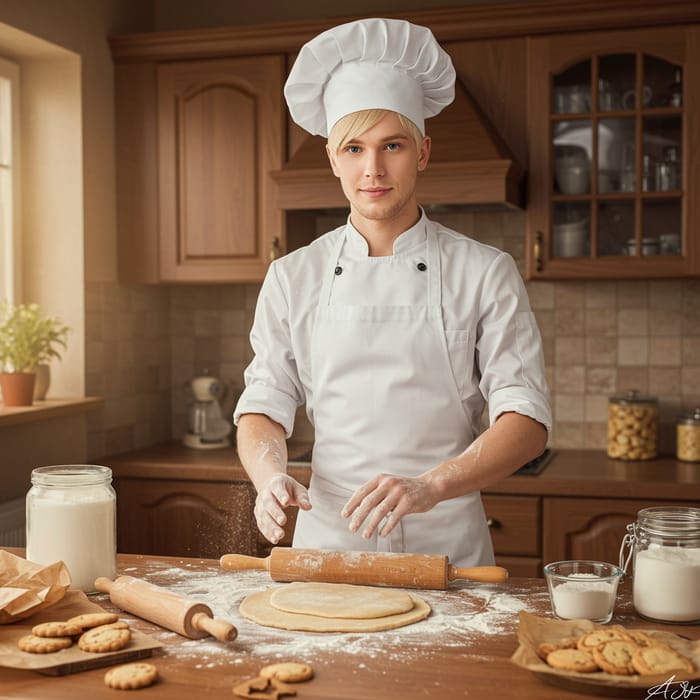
{"points": [[167, 609], [368, 568]]}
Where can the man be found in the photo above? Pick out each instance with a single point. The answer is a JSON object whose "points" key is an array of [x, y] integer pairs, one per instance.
{"points": [[392, 329]]}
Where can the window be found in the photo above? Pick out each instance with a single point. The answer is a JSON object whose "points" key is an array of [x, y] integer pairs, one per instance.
{"points": [[9, 180]]}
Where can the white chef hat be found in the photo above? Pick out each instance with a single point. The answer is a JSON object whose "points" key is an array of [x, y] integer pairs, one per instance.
{"points": [[369, 64]]}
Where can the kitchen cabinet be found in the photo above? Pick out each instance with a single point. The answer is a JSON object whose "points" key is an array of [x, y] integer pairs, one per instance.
{"points": [[514, 523], [182, 502], [200, 127], [529, 531], [589, 528], [199, 518], [614, 132], [197, 140], [175, 517]]}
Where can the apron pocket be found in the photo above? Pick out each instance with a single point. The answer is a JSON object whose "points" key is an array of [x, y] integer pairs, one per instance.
{"points": [[459, 349]]}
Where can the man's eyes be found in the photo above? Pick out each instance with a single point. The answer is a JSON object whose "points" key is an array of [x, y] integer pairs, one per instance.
{"points": [[357, 149]]}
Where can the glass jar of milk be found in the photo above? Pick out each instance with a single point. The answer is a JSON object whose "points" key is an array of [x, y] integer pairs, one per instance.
{"points": [[71, 516], [665, 546]]}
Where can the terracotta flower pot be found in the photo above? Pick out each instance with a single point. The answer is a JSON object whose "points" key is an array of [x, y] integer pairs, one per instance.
{"points": [[17, 388]]}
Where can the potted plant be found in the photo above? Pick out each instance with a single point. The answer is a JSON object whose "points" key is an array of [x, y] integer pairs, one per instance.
{"points": [[28, 339]]}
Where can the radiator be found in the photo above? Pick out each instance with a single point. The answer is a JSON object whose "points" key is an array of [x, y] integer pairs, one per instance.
{"points": [[12, 523]]}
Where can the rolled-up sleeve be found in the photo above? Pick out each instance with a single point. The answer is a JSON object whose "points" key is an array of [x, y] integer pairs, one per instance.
{"points": [[509, 347], [272, 385]]}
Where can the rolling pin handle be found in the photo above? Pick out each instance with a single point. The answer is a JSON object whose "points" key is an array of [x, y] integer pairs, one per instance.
{"points": [[103, 584], [242, 562], [485, 574], [222, 630]]}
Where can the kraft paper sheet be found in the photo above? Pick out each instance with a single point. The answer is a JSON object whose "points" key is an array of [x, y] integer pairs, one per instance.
{"points": [[26, 587], [73, 659], [534, 630]]}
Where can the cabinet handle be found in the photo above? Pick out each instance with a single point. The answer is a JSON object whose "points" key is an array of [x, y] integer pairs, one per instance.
{"points": [[276, 249], [537, 251], [493, 524]]}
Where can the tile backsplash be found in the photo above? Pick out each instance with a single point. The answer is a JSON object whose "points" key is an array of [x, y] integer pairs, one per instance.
{"points": [[601, 338]]}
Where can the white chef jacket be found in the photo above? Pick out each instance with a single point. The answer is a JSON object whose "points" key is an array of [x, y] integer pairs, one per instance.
{"points": [[494, 344]]}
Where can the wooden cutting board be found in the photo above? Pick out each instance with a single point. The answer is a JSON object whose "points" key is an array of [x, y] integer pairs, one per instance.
{"points": [[73, 659]]}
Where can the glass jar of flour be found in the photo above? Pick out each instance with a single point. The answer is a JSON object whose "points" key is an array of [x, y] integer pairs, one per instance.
{"points": [[71, 516], [665, 546]]}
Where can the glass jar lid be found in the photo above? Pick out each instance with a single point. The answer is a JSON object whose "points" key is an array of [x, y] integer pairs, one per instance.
{"points": [[692, 417], [633, 396]]}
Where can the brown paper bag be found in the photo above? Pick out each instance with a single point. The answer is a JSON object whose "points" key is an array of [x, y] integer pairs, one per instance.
{"points": [[26, 587]]}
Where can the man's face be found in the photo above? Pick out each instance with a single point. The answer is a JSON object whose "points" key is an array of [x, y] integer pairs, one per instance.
{"points": [[378, 169]]}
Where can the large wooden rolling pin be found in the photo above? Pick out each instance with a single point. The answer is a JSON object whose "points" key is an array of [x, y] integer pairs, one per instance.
{"points": [[368, 568], [167, 609]]}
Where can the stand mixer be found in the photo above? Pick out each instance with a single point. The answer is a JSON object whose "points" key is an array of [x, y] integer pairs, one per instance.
{"points": [[207, 428]]}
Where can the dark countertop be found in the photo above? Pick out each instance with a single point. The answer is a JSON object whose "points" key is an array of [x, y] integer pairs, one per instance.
{"points": [[578, 473]]}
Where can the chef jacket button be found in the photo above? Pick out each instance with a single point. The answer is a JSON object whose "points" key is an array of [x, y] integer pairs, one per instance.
{"points": [[422, 266], [338, 270]]}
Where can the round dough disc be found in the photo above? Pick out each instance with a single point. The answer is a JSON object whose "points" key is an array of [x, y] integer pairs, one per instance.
{"points": [[257, 607], [341, 600]]}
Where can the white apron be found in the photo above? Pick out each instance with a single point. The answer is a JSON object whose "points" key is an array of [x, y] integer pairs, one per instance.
{"points": [[386, 400]]}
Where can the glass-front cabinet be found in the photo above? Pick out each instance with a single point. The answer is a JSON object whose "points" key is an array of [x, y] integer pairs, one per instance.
{"points": [[614, 171]]}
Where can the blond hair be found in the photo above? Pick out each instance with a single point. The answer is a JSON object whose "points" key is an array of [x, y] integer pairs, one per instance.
{"points": [[354, 124]]}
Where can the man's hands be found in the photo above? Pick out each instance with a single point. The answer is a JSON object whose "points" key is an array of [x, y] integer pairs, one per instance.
{"points": [[280, 492], [510, 442], [390, 497]]}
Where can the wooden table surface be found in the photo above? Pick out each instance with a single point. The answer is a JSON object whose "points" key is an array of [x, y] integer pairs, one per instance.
{"points": [[462, 650]]}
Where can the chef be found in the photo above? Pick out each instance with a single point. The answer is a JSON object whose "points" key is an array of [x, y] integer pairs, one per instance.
{"points": [[394, 330]]}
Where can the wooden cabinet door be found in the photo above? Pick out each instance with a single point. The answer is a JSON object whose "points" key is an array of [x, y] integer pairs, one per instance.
{"points": [[606, 129], [220, 131], [185, 518], [588, 528]]}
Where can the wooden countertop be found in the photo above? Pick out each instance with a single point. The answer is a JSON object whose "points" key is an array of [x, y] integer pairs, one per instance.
{"points": [[462, 649], [577, 473]]}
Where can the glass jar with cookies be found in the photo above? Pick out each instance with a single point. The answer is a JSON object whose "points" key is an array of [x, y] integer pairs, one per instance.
{"points": [[71, 516], [688, 436], [633, 427]]}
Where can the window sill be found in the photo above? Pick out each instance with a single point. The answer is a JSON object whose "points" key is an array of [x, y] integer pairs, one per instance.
{"points": [[52, 408]]}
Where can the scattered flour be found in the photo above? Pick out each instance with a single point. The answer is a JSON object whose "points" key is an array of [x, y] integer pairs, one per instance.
{"points": [[459, 617]]}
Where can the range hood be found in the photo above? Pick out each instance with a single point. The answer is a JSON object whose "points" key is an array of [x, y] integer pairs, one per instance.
{"points": [[469, 165]]}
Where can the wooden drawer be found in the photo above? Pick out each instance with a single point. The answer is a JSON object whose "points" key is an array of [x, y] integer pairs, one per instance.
{"points": [[514, 523]]}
